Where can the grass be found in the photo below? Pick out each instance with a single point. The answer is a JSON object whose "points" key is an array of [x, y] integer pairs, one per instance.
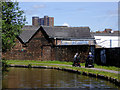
{"points": [[107, 67], [58, 64], [26, 62], [94, 72], [36, 62]]}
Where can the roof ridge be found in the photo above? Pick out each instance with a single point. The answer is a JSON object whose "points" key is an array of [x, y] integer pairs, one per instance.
{"points": [[63, 32]]}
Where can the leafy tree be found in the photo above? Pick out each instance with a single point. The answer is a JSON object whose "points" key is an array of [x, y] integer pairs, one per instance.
{"points": [[0, 27], [13, 20]]}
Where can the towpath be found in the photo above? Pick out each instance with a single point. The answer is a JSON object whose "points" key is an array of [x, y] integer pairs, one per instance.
{"points": [[99, 69]]}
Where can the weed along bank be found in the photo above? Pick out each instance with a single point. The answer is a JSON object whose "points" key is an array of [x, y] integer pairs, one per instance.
{"points": [[51, 43]]}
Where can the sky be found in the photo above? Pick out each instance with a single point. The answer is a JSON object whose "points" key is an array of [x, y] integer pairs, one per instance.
{"points": [[95, 15]]}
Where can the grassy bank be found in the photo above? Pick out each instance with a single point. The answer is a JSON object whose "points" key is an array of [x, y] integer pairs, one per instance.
{"points": [[26, 62], [62, 65]]}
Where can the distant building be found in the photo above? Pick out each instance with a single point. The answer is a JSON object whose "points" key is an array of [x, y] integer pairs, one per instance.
{"points": [[46, 21], [41, 21], [106, 40], [35, 21], [105, 31]]}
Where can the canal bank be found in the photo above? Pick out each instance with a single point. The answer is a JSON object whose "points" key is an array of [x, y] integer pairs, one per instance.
{"points": [[112, 77]]}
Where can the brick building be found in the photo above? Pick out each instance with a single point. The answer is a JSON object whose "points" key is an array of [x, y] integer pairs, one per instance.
{"points": [[35, 21], [105, 31], [41, 43], [46, 21]]}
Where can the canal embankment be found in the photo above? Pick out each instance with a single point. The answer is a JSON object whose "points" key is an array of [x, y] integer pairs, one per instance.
{"points": [[109, 73]]}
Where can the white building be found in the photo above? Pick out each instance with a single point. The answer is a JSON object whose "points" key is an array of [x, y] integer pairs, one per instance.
{"points": [[107, 40]]}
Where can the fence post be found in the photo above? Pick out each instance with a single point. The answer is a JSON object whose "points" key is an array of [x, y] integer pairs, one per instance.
{"points": [[110, 43]]}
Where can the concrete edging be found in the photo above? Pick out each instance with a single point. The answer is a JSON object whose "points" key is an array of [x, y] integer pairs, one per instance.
{"points": [[113, 80]]}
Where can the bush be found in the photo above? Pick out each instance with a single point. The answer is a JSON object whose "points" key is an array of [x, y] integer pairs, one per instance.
{"points": [[29, 66], [4, 65], [3, 58]]}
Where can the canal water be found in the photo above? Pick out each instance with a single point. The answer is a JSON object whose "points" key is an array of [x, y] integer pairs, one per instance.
{"points": [[47, 78]]}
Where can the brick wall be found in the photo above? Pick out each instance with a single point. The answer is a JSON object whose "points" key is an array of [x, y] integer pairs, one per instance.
{"points": [[66, 53], [40, 48], [111, 56], [31, 51], [61, 53]]}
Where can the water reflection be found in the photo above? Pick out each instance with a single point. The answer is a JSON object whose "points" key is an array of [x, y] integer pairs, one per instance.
{"points": [[46, 78]]}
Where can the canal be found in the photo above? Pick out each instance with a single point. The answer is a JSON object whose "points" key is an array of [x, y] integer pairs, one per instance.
{"points": [[47, 78]]}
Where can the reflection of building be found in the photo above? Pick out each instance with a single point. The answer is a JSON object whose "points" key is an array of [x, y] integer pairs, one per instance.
{"points": [[46, 21]]}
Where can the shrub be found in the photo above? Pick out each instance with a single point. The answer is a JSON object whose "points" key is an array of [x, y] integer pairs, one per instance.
{"points": [[4, 65], [29, 66]]}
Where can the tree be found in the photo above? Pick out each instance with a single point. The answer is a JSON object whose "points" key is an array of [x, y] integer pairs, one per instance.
{"points": [[13, 20]]}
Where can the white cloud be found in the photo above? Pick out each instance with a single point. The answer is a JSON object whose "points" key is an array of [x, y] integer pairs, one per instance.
{"points": [[34, 9], [113, 13], [81, 9], [30, 12], [38, 6], [66, 24]]}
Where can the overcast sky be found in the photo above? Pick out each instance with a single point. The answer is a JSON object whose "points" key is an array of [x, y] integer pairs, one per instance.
{"points": [[96, 15]]}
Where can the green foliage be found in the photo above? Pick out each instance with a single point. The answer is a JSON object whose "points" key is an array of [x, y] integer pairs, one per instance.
{"points": [[29, 66], [4, 65], [107, 67], [12, 23]]}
